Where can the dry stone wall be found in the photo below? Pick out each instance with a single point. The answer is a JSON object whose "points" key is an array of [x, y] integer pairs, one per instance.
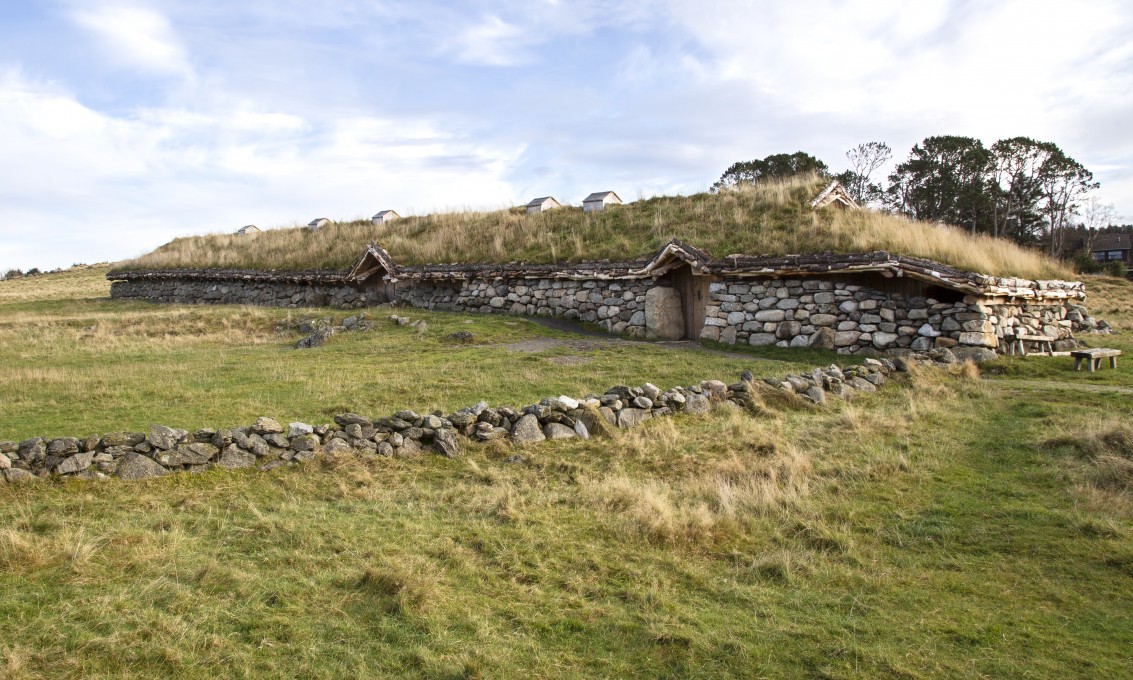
{"points": [[839, 315], [619, 307], [262, 293], [267, 443], [852, 318]]}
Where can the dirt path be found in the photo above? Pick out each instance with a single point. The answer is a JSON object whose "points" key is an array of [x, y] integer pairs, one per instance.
{"points": [[591, 339], [1061, 385]]}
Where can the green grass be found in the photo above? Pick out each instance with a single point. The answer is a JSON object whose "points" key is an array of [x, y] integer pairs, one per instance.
{"points": [[73, 362], [772, 218], [931, 530]]}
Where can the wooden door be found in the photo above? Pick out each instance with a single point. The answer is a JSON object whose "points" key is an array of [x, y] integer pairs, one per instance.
{"points": [[694, 298]]}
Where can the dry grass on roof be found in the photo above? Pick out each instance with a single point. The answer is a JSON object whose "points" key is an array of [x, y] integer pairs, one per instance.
{"points": [[771, 218]]}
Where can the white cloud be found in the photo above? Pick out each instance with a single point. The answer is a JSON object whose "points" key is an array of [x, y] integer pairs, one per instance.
{"points": [[492, 42], [135, 36], [80, 185]]}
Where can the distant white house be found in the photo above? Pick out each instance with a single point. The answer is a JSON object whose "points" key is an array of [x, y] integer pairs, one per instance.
{"points": [[248, 230], [318, 223], [384, 216], [599, 200], [538, 205]]}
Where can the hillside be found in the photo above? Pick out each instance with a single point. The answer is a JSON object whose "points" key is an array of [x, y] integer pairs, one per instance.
{"points": [[946, 526], [772, 218]]}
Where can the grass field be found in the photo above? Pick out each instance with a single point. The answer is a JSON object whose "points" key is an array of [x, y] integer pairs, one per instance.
{"points": [[948, 526], [770, 218]]}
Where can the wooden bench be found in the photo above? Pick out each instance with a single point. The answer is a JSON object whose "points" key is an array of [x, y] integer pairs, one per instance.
{"points": [[1093, 358], [1018, 344]]}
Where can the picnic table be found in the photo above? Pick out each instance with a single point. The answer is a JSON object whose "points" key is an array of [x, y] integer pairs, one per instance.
{"points": [[1018, 344], [1093, 358]]}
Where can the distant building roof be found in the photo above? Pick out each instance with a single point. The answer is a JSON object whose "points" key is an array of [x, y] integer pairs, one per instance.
{"points": [[318, 222], [384, 213], [246, 228], [1112, 242], [601, 196], [536, 202]]}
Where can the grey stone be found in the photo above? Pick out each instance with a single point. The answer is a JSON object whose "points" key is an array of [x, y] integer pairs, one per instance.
{"points": [[63, 446], [664, 316], [975, 354], [558, 431], [846, 338], [344, 419], [5, 462], [137, 466], [233, 457], [815, 394], [761, 339], [265, 425], [527, 430], [823, 338], [581, 430], [337, 447], [628, 417], [306, 442], [165, 438], [19, 476], [642, 402], [76, 463], [882, 340], [447, 444]]}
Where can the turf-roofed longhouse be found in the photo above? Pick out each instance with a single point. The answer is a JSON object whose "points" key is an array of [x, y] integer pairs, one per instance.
{"points": [[854, 303]]}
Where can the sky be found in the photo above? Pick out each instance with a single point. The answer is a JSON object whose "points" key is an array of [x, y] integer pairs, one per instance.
{"points": [[127, 123]]}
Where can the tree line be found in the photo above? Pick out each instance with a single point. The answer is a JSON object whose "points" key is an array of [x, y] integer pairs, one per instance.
{"points": [[1021, 189]]}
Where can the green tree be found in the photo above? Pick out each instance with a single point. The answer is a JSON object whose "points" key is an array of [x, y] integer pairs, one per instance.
{"points": [[775, 166], [944, 179]]}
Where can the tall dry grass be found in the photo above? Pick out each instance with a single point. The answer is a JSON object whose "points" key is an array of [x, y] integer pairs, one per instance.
{"points": [[1100, 462], [770, 218], [765, 474]]}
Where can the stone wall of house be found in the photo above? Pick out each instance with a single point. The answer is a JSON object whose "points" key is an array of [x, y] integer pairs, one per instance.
{"points": [[853, 318], [617, 306], [262, 293], [832, 314]]}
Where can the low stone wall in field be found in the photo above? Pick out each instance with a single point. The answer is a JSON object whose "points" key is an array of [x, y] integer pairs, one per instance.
{"points": [[267, 443], [851, 318], [262, 293]]}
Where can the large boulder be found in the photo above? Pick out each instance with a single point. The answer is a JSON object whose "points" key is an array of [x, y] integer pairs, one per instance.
{"points": [[664, 314]]}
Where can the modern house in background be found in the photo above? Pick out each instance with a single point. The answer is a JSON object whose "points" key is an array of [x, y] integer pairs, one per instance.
{"points": [[1114, 248], [599, 200], [318, 223], [538, 205], [248, 230], [384, 216]]}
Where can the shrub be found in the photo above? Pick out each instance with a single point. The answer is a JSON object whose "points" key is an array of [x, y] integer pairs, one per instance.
{"points": [[1115, 268], [13, 274]]}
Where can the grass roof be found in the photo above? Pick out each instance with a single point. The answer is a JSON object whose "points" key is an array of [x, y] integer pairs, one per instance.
{"points": [[770, 218]]}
